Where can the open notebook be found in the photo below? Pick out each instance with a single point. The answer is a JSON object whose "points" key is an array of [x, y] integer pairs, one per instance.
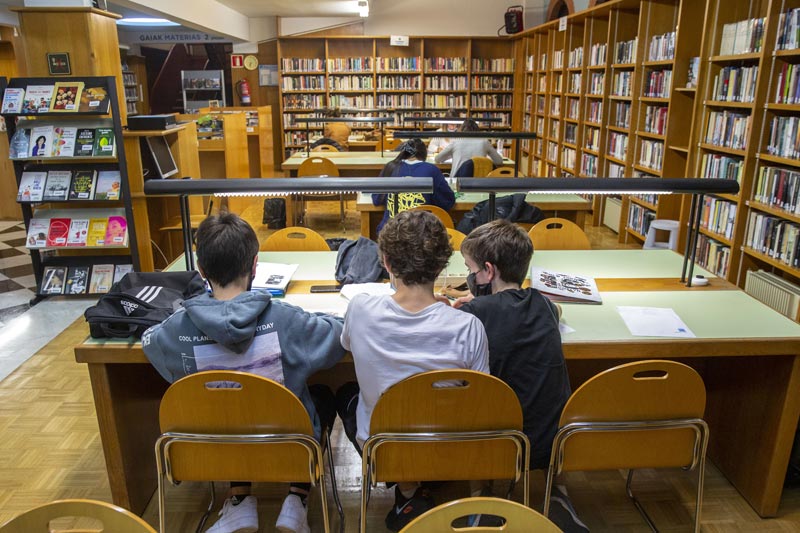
{"points": [[274, 277]]}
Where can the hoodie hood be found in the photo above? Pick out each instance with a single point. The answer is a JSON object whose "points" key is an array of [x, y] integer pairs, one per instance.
{"points": [[231, 323]]}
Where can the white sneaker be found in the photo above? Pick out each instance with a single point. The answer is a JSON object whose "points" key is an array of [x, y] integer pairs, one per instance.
{"points": [[240, 518], [293, 517]]}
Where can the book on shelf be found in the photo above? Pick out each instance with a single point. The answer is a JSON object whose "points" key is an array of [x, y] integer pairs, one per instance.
{"points": [[120, 271], [37, 99], [694, 69], [31, 186], [116, 231], [77, 280], [789, 30], [78, 231], [108, 185], [53, 278], [57, 187], [779, 188], [563, 287], [41, 141], [102, 278], [58, 231], [94, 99], [64, 141], [97, 232], [83, 184], [104, 144], [12, 100], [66, 96], [37, 232], [274, 277], [84, 142], [743, 37]]}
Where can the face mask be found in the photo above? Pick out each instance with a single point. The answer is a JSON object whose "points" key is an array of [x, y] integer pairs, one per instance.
{"points": [[478, 289]]}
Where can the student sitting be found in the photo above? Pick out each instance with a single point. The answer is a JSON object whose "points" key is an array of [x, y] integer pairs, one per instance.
{"points": [[236, 328], [524, 340], [338, 132], [438, 144], [464, 149], [411, 162], [394, 337]]}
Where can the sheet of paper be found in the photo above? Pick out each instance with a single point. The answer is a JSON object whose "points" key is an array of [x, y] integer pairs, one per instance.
{"points": [[351, 289], [273, 276], [565, 329], [654, 322]]}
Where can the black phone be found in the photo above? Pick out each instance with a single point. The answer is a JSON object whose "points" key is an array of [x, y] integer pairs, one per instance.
{"points": [[326, 288]]}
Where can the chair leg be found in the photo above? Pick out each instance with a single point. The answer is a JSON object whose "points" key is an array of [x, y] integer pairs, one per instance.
{"points": [[701, 476], [335, 491], [205, 516], [162, 515], [323, 495], [637, 504], [365, 487], [548, 487]]}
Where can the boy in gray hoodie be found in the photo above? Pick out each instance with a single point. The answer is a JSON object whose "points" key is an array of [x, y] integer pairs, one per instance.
{"points": [[235, 328]]}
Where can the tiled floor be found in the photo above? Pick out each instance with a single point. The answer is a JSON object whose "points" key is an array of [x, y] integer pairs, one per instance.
{"points": [[17, 284]]}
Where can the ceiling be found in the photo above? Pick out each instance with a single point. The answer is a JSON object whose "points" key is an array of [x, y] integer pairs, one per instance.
{"points": [[293, 8]]}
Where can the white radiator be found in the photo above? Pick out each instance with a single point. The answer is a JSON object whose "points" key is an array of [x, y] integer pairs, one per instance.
{"points": [[774, 291]]}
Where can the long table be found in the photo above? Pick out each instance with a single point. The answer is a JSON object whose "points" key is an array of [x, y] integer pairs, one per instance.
{"points": [[746, 352]]}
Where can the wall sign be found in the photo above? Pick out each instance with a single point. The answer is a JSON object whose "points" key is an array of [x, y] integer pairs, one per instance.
{"points": [[58, 64], [237, 61]]}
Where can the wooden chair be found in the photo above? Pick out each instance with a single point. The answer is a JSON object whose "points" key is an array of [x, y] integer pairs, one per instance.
{"points": [[322, 167], [456, 238], [518, 518], [558, 234], [420, 432], [295, 239], [258, 431], [440, 213], [324, 148], [388, 144], [501, 172], [646, 414], [482, 167], [114, 519]]}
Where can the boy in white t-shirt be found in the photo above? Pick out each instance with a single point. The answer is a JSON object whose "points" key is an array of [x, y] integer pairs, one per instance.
{"points": [[394, 337]]}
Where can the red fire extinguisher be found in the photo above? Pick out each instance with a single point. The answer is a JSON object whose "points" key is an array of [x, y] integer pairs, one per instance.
{"points": [[243, 88]]}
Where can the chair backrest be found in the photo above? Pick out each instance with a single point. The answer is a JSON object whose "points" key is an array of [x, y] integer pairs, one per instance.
{"points": [[518, 518], [113, 519], [634, 392], [257, 406], [295, 239], [388, 144], [479, 402], [456, 238], [501, 172], [482, 166], [440, 213], [254, 214], [324, 148], [558, 234], [317, 166]]}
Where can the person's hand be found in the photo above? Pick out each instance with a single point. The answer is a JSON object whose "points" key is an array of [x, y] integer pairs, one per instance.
{"points": [[441, 298], [463, 300]]}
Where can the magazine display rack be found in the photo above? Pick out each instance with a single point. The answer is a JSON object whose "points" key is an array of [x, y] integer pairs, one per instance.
{"points": [[71, 181]]}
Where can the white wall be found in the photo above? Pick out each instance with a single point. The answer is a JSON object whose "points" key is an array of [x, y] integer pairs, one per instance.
{"points": [[301, 25], [8, 18]]}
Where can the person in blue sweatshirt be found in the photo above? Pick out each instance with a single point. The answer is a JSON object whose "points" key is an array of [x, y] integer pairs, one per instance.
{"points": [[411, 162], [236, 328]]}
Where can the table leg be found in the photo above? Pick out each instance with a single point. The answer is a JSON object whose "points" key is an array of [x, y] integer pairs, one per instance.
{"points": [[366, 224]]}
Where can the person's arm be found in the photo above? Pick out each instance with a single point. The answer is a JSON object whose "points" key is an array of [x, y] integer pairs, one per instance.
{"points": [[152, 350], [315, 337], [379, 199], [445, 154], [443, 195], [493, 154], [480, 361]]}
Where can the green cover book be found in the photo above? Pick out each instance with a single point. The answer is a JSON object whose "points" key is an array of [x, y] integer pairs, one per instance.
{"points": [[104, 145]]}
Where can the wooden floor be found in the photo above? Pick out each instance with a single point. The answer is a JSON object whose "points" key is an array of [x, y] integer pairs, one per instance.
{"points": [[50, 449]]}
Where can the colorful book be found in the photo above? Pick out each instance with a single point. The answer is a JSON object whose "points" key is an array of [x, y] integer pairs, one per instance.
{"points": [[41, 143], [57, 187], [562, 287], [67, 96], [12, 100], [37, 232], [53, 280], [78, 232], [77, 280], [120, 271], [64, 141], [94, 99], [102, 278], [58, 232], [31, 186], [108, 185], [83, 183], [104, 145], [97, 232], [116, 231], [37, 99], [84, 142]]}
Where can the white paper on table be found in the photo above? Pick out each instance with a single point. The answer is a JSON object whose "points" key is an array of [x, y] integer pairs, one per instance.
{"points": [[565, 329], [654, 322], [375, 289]]}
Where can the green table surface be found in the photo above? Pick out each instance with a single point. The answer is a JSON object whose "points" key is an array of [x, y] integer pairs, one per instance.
{"points": [[356, 159]]}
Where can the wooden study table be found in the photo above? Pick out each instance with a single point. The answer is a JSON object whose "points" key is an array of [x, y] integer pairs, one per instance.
{"points": [[746, 352]]}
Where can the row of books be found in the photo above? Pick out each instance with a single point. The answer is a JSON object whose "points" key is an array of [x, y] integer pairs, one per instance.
{"points": [[350, 64], [557, 83], [68, 141], [655, 119], [728, 129], [595, 112], [779, 188], [77, 232], [503, 64], [302, 64], [445, 64], [398, 82], [361, 101], [718, 166], [304, 101], [558, 59], [639, 218], [743, 37], [626, 51], [615, 170], [555, 128], [622, 114], [570, 133], [593, 139], [662, 47], [652, 154], [713, 255], [718, 216], [597, 54], [61, 97], [787, 90], [573, 108], [575, 58], [445, 101], [789, 30], [568, 157], [735, 84], [784, 137], [555, 106], [77, 279], [589, 165], [575, 82], [398, 100], [651, 199], [622, 83], [303, 83], [350, 83], [596, 83], [774, 237], [617, 145], [552, 151], [398, 63], [63, 185], [491, 100], [494, 83], [446, 83], [658, 84]]}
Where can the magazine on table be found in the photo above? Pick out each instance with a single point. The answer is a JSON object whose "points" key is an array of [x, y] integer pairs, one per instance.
{"points": [[563, 287], [274, 277]]}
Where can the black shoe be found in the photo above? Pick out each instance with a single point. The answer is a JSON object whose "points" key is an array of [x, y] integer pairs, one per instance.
{"points": [[402, 513], [563, 514]]}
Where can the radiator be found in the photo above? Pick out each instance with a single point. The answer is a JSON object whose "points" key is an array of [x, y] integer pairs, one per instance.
{"points": [[774, 291]]}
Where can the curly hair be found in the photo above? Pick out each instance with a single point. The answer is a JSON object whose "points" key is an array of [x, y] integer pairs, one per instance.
{"points": [[503, 244], [416, 246]]}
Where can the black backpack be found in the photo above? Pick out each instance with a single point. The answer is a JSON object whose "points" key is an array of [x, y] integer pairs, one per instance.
{"points": [[513, 208], [140, 300]]}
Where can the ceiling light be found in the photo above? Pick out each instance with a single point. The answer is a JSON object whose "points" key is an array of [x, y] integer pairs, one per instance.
{"points": [[363, 8], [145, 21]]}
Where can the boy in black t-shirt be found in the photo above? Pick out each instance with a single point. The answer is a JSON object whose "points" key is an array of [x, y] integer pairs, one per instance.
{"points": [[524, 338]]}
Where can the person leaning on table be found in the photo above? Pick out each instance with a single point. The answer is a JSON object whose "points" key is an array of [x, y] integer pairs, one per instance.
{"points": [[463, 149]]}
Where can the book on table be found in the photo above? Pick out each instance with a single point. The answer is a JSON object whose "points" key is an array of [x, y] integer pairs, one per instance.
{"points": [[274, 277], [563, 287]]}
